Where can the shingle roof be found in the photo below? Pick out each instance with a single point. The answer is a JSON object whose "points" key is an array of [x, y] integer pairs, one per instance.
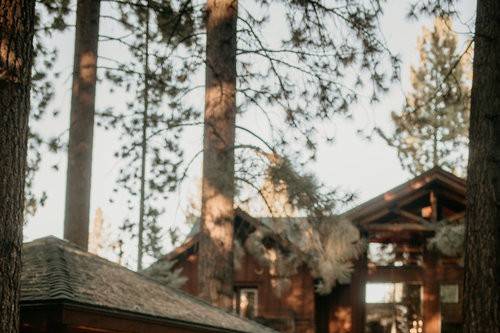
{"points": [[54, 269]]}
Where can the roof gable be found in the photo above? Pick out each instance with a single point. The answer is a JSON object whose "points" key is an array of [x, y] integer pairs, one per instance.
{"points": [[435, 180], [285, 231]]}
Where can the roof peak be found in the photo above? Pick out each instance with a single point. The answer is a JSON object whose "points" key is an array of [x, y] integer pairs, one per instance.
{"points": [[435, 174]]}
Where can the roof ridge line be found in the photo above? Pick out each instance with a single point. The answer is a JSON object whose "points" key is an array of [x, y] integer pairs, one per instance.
{"points": [[60, 279]]}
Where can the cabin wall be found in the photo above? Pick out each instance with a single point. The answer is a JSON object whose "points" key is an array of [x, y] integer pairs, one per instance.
{"points": [[189, 265], [292, 312], [451, 313]]}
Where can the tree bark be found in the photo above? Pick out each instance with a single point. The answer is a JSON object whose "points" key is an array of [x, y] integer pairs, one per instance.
{"points": [[79, 172], [17, 19], [482, 253], [215, 271]]}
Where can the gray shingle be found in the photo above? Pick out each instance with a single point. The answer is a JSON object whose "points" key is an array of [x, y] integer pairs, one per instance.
{"points": [[54, 269]]}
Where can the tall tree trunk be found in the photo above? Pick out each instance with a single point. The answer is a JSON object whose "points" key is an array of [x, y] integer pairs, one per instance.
{"points": [[217, 212], [482, 253], [17, 19], [78, 181], [144, 147]]}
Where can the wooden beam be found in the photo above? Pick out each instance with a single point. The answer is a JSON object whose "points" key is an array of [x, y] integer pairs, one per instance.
{"points": [[451, 196], [431, 304], [455, 217], [358, 295], [390, 207], [411, 216], [395, 274], [434, 204], [373, 217], [400, 227]]}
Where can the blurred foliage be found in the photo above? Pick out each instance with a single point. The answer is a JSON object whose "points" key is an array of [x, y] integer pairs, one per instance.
{"points": [[159, 37], [432, 128], [51, 17], [327, 53]]}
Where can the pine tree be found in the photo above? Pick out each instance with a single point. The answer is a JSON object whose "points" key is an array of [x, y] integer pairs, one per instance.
{"points": [[81, 129], [50, 19], [482, 245], [481, 305], [157, 33], [311, 49], [17, 20], [432, 128], [144, 141], [215, 271]]}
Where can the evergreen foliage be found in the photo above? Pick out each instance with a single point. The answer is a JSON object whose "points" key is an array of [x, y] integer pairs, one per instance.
{"points": [[164, 273], [159, 37], [335, 50], [449, 239], [433, 8], [326, 52], [312, 48], [328, 248], [313, 74], [50, 19], [432, 128]]}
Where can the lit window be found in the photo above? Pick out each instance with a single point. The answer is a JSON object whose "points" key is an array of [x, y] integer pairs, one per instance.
{"points": [[393, 307], [380, 292], [246, 300], [448, 293]]}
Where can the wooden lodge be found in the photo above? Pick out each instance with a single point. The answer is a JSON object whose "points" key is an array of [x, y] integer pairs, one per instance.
{"points": [[66, 290], [400, 285]]}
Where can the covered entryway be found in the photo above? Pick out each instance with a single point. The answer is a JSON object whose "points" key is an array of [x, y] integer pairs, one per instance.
{"points": [[409, 281]]}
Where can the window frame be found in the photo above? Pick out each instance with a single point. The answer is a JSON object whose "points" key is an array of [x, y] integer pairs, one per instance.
{"points": [[238, 292], [456, 294]]}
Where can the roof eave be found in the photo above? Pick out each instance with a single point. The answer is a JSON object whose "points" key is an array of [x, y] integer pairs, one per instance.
{"points": [[124, 314]]}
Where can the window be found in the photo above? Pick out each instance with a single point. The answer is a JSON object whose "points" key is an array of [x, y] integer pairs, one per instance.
{"points": [[246, 301], [393, 308], [448, 293], [383, 292]]}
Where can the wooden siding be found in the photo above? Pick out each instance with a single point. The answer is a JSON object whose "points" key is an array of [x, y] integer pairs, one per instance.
{"points": [[290, 313]]}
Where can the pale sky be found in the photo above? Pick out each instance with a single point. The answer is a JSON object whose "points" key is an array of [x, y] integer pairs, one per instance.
{"points": [[368, 168]]}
